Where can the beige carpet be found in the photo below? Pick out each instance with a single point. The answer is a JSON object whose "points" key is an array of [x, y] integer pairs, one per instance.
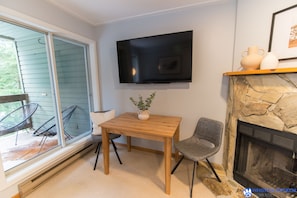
{"points": [[140, 176]]}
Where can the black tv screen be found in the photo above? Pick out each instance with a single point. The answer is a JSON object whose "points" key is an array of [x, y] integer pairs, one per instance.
{"points": [[156, 59]]}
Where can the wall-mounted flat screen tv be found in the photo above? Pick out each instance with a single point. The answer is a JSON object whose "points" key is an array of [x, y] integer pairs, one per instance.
{"points": [[162, 58]]}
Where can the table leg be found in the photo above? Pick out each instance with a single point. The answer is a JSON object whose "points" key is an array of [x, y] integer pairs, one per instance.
{"points": [[167, 158], [105, 145], [176, 139], [129, 143]]}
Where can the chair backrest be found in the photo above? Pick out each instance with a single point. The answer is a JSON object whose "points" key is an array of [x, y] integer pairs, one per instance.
{"points": [[17, 119], [50, 125], [67, 113], [210, 130], [99, 117]]}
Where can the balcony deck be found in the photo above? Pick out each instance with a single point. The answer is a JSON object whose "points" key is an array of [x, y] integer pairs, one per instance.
{"points": [[28, 147]]}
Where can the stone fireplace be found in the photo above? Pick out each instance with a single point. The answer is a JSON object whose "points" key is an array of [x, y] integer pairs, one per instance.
{"points": [[268, 101]]}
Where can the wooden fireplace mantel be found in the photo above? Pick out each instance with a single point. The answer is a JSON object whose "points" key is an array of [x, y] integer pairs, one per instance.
{"points": [[262, 71]]}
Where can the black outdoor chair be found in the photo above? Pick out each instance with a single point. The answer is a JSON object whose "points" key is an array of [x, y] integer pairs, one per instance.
{"points": [[48, 129], [204, 143], [17, 119]]}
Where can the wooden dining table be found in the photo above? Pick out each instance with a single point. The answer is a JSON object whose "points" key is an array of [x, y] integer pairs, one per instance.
{"points": [[158, 127]]}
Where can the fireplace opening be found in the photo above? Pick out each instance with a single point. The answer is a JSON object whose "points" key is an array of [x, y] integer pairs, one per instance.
{"points": [[266, 161]]}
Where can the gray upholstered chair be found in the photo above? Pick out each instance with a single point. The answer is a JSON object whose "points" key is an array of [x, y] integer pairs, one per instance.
{"points": [[97, 118], [204, 143]]}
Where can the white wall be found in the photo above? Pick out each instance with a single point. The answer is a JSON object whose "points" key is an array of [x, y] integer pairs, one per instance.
{"points": [[254, 24], [213, 28]]}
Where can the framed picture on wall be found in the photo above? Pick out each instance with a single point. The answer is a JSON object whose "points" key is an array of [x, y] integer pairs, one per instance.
{"points": [[283, 34]]}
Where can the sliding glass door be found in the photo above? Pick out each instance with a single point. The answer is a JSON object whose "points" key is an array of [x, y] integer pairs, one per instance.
{"points": [[71, 64], [51, 73]]}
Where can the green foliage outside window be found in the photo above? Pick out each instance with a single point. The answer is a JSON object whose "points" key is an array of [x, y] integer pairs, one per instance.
{"points": [[9, 75]]}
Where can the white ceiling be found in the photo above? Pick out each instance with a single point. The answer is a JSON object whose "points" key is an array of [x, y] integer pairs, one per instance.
{"points": [[98, 12]]}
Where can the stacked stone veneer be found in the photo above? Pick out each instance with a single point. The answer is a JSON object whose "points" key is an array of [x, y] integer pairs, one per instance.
{"points": [[265, 100]]}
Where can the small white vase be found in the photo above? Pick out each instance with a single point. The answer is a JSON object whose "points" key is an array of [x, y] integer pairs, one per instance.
{"points": [[143, 115], [270, 61]]}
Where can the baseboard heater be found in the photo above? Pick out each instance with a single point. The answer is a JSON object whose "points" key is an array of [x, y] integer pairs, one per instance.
{"points": [[34, 182]]}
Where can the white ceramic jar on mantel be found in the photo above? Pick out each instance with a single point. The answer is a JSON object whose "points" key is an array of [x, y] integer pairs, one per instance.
{"points": [[270, 61]]}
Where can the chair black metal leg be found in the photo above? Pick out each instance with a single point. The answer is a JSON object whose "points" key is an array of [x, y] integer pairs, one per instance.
{"points": [[98, 147], [213, 170], [42, 142], [68, 136], [98, 152], [115, 149], [193, 177], [177, 164]]}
